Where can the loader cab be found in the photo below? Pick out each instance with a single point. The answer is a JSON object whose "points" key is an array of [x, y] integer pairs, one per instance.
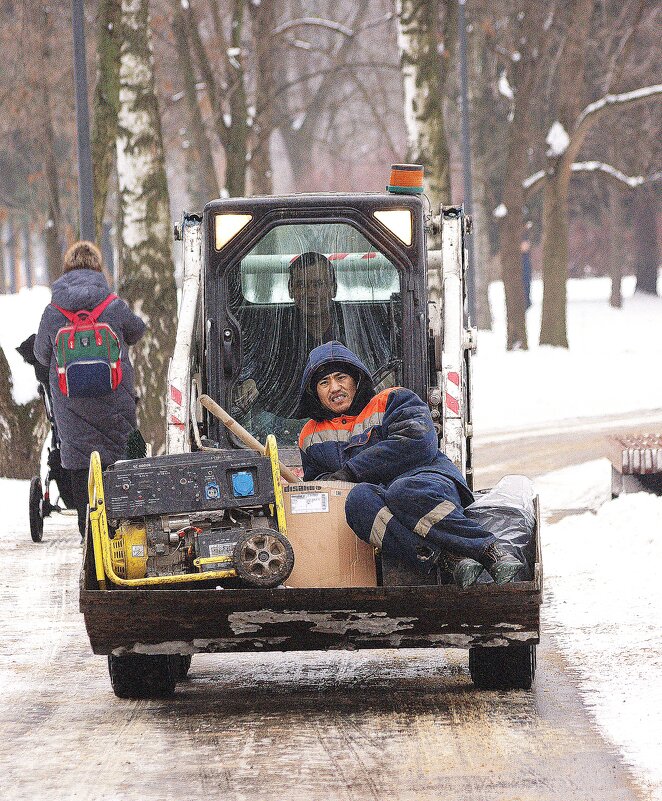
{"points": [[282, 275]]}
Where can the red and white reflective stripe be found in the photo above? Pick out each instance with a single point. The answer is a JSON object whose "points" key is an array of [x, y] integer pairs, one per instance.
{"points": [[177, 423], [453, 392], [176, 394]]}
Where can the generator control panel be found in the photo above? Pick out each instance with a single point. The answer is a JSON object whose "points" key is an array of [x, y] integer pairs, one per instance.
{"points": [[199, 481]]}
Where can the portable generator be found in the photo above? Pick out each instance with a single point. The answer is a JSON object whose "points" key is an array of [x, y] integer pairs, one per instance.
{"points": [[200, 516]]}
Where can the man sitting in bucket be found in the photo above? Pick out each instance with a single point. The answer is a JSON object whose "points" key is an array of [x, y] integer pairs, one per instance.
{"points": [[409, 497]]}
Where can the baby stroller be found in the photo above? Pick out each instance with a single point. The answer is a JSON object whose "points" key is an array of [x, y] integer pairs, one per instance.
{"points": [[40, 503]]}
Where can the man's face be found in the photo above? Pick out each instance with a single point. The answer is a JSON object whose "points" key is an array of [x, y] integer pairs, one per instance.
{"points": [[336, 391], [312, 289]]}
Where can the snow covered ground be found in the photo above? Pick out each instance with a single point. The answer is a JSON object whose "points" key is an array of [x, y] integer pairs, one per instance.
{"points": [[603, 592]]}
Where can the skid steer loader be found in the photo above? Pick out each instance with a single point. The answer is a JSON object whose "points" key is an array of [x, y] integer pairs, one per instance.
{"points": [[169, 532]]}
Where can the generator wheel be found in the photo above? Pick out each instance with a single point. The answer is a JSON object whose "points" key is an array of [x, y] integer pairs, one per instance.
{"points": [[35, 501], [143, 675], [263, 557], [183, 665], [511, 667]]}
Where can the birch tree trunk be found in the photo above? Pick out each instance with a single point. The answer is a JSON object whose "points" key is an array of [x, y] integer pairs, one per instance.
{"points": [[418, 40], [148, 282]]}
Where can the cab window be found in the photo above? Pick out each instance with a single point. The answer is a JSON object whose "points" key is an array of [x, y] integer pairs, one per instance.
{"points": [[300, 286]]}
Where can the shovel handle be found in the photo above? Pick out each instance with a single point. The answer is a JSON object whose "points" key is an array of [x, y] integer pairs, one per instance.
{"points": [[248, 439]]}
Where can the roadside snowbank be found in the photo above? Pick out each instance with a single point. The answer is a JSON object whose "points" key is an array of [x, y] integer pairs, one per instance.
{"points": [[603, 606]]}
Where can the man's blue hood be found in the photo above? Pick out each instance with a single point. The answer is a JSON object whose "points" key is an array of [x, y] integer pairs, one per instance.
{"points": [[326, 355]]}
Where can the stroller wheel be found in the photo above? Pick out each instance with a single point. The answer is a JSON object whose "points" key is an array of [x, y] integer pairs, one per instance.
{"points": [[36, 498]]}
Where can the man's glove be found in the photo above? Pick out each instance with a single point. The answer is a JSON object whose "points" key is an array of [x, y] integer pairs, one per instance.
{"points": [[341, 475]]}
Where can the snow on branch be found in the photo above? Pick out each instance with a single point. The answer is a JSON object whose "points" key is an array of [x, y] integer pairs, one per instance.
{"points": [[629, 180], [314, 22], [557, 139], [632, 181], [532, 180], [614, 100]]}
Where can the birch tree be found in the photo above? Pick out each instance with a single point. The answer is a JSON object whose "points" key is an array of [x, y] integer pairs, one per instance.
{"points": [[148, 282], [423, 77]]}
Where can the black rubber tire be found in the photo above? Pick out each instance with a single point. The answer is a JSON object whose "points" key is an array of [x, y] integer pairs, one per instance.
{"points": [[36, 498], [143, 675], [511, 667], [183, 665], [279, 557]]}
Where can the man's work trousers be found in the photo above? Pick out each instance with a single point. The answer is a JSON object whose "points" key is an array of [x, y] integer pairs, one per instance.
{"points": [[414, 512]]}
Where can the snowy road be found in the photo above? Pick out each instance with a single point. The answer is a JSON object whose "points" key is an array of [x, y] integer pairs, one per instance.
{"points": [[536, 450], [367, 725]]}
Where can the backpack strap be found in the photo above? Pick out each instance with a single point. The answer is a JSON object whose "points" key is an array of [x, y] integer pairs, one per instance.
{"points": [[93, 315], [97, 310], [83, 316]]}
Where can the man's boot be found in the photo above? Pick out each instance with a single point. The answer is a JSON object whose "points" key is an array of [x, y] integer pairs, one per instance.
{"points": [[465, 571], [501, 565]]}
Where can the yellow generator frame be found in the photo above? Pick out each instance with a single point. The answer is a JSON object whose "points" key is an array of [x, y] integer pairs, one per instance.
{"points": [[110, 560]]}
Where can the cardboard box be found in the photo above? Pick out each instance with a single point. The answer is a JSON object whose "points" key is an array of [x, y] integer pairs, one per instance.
{"points": [[327, 553]]}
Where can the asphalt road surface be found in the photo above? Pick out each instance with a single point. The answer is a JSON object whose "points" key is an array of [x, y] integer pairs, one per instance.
{"points": [[367, 725]]}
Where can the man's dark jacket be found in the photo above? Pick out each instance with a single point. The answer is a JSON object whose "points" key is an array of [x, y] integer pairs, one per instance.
{"points": [[389, 435]]}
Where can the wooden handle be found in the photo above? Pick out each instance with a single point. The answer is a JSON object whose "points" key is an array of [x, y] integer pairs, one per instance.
{"points": [[239, 431]]}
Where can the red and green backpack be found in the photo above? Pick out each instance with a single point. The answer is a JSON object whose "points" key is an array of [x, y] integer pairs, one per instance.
{"points": [[88, 354]]}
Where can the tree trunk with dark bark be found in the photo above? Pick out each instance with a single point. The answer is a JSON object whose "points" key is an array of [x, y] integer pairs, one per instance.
{"points": [[553, 328], [54, 235], [106, 106], [3, 268], [237, 130], [23, 429], [204, 184], [480, 102], [646, 249], [524, 75], [615, 228], [261, 177]]}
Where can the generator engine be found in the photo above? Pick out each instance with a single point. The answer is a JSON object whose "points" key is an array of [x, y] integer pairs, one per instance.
{"points": [[196, 513]]}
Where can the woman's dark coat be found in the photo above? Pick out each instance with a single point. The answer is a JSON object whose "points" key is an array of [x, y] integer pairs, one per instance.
{"points": [[90, 424]]}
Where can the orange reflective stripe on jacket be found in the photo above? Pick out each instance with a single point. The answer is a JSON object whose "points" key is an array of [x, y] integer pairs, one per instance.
{"points": [[344, 427]]}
